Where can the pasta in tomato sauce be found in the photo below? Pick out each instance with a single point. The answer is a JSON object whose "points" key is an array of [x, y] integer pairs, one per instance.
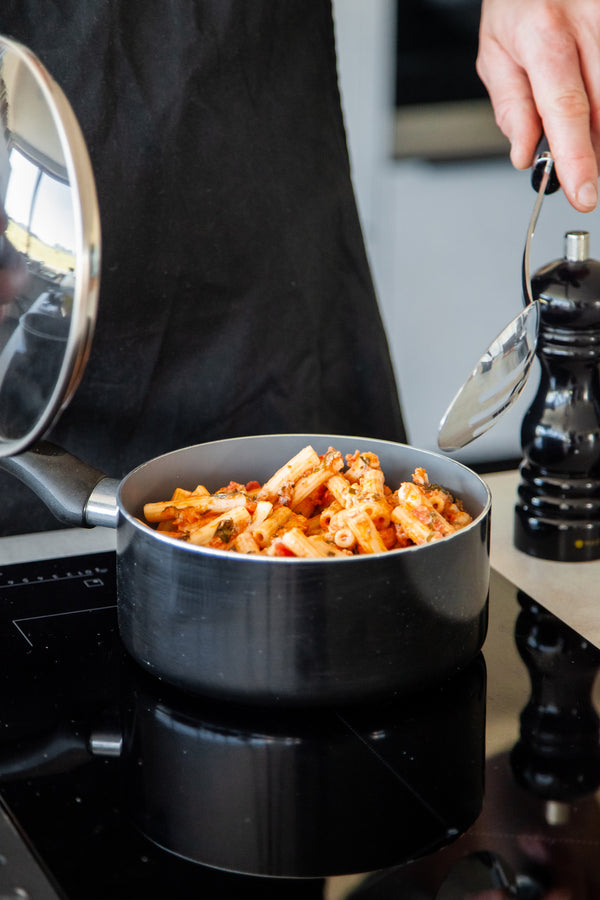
{"points": [[313, 506]]}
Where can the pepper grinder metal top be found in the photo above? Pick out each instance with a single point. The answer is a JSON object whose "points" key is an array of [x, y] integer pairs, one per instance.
{"points": [[577, 246], [557, 515]]}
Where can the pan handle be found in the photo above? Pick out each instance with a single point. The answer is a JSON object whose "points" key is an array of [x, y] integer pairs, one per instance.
{"points": [[63, 750], [66, 485]]}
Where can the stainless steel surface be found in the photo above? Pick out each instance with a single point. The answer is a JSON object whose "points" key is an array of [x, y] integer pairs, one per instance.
{"points": [[502, 372], [526, 267], [101, 508], [494, 384], [49, 250], [577, 246], [106, 743]]}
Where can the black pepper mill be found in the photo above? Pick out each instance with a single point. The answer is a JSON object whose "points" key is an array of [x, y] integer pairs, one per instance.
{"points": [[557, 515]]}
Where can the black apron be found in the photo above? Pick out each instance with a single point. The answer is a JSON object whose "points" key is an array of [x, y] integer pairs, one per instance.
{"points": [[235, 294]]}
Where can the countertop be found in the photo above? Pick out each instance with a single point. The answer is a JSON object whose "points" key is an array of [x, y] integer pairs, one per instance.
{"points": [[569, 590], [53, 544]]}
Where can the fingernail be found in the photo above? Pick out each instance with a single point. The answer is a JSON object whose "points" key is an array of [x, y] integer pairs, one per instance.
{"points": [[588, 195]]}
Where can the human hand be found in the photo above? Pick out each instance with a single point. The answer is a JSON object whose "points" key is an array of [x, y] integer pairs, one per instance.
{"points": [[540, 63]]}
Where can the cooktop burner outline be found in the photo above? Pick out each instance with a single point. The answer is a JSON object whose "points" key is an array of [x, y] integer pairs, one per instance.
{"points": [[70, 612]]}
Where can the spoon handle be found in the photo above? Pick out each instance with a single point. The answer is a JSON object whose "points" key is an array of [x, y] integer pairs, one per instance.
{"points": [[546, 169]]}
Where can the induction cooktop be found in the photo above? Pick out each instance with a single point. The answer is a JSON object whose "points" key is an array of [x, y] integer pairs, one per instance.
{"points": [[114, 784]]}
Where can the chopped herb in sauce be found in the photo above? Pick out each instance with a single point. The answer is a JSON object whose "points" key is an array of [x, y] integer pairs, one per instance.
{"points": [[225, 530]]}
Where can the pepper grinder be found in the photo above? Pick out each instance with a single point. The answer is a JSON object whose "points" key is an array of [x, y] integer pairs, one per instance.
{"points": [[557, 515]]}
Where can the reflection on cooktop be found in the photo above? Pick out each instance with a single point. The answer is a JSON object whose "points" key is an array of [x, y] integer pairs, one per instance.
{"points": [[126, 787], [538, 834]]}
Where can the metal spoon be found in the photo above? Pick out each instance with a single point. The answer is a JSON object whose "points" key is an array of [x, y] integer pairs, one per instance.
{"points": [[501, 373]]}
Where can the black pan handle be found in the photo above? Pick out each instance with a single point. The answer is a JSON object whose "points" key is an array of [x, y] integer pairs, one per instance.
{"points": [[542, 155], [62, 481], [62, 751]]}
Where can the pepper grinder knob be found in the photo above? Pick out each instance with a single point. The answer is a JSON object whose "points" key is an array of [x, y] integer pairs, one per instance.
{"points": [[557, 515], [577, 246]]}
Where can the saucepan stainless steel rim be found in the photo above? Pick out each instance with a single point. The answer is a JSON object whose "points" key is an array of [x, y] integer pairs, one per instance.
{"points": [[134, 518]]}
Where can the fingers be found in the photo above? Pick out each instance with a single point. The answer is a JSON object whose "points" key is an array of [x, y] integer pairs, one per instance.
{"points": [[540, 63], [589, 56], [512, 99], [554, 71]]}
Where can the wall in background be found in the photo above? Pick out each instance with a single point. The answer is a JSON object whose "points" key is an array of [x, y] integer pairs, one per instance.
{"points": [[445, 240]]}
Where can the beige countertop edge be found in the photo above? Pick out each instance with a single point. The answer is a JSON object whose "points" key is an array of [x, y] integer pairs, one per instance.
{"points": [[569, 590], [54, 544]]}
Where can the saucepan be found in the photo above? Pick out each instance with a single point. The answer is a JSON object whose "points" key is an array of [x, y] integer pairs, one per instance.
{"points": [[273, 629], [227, 625]]}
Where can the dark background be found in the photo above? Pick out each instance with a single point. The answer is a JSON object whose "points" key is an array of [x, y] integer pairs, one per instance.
{"points": [[437, 48]]}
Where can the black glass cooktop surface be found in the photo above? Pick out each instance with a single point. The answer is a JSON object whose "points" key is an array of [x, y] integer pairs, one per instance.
{"points": [[116, 785]]}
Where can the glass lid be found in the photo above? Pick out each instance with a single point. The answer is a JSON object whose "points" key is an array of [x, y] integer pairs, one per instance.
{"points": [[49, 249]]}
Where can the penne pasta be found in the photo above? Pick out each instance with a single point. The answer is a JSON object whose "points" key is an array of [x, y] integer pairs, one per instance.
{"points": [[331, 462], [378, 511], [300, 545], [330, 549], [262, 510], [372, 482], [225, 527], [264, 531], [359, 463], [342, 491], [417, 531], [155, 512], [424, 509], [245, 543], [306, 459], [362, 527], [313, 507], [328, 513]]}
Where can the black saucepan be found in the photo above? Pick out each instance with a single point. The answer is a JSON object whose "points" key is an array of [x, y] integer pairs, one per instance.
{"points": [[280, 630]]}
